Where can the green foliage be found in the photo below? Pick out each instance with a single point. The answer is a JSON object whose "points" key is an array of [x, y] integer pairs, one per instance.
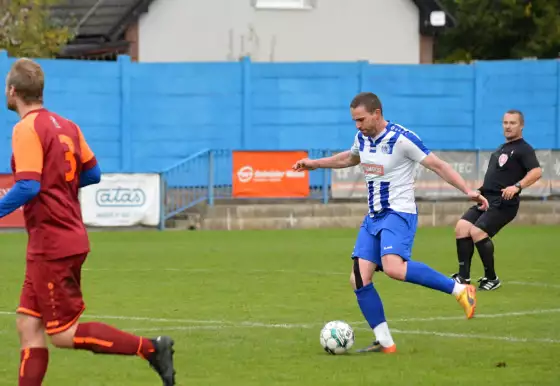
{"points": [[501, 29], [27, 29]]}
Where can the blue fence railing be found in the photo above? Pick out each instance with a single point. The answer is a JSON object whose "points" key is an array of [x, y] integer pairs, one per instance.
{"points": [[207, 175]]}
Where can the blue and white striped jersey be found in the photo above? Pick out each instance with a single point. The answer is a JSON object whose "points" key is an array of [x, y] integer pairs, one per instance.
{"points": [[389, 162]]}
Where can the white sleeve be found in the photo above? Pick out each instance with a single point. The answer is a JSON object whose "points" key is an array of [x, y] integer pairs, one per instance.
{"points": [[355, 149], [414, 148]]}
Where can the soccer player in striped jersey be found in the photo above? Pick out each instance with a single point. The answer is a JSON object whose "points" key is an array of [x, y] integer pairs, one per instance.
{"points": [[389, 155]]}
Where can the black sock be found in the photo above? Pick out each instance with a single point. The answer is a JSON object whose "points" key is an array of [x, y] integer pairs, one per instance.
{"points": [[485, 249], [465, 250]]}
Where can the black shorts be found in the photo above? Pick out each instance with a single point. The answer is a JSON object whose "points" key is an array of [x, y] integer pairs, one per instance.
{"points": [[498, 215]]}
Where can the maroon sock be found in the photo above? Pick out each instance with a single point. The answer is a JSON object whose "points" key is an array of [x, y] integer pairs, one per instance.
{"points": [[101, 338], [33, 366]]}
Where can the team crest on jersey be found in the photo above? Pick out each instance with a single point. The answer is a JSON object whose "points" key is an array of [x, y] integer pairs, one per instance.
{"points": [[502, 159], [385, 148], [373, 169]]}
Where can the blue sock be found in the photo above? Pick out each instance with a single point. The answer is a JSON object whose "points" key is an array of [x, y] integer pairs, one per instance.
{"points": [[420, 273], [371, 305]]}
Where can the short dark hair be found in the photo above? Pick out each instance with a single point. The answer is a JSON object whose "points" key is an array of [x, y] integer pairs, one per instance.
{"points": [[369, 100], [28, 80], [518, 112]]}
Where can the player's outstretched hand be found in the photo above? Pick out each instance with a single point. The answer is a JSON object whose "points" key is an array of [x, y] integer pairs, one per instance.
{"points": [[304, 164], [477, 197]]}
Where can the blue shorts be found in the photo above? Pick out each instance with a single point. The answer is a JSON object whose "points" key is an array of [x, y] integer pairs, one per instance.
{"points": [[388, 233]]}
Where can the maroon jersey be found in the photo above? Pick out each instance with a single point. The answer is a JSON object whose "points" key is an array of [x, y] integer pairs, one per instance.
{"points": [[52, 150]]}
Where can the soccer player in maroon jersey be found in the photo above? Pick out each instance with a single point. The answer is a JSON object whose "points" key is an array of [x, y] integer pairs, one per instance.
{"points": [[51, 161]]}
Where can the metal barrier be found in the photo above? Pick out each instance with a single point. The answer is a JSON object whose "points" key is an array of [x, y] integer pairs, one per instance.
{"points": [[207, 176]]}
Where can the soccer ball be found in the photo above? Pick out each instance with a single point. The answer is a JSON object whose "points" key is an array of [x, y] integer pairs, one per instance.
{"points": [[337, 337]]}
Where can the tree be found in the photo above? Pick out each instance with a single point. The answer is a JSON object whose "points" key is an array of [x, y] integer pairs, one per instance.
{"points": [[28, 29], [501, 29]]}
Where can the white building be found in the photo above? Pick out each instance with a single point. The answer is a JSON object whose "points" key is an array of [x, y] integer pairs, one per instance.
{"points": [[379, 31]]}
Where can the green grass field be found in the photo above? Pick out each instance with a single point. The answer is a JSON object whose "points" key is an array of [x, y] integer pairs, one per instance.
{"points": [[246, 308]]}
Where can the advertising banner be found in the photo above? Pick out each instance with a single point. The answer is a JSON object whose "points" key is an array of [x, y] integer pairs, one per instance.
{"points": [[430, 185], [348, 183], [268, 174], [122, 200]]}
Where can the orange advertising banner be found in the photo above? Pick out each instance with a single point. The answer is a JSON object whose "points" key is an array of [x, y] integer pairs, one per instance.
{"points": [[269, 174], [14, 219]]}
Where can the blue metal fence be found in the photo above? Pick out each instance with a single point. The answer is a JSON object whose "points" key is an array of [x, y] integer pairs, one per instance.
{"points": [[207, 175]]}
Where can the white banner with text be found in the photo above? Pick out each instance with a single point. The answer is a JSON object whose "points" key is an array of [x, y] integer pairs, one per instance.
{"points": [[122, 200]]}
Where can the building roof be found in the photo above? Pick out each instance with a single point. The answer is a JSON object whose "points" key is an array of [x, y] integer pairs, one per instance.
{"points": [[100, 24]]}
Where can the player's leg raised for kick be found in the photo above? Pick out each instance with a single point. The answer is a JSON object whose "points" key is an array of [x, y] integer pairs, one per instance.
{"points": [[100, 338], [62, 278], [421, 274], [397, 239], [368, 298]]}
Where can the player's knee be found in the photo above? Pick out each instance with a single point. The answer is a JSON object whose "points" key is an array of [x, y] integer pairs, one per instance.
{"points": [[65, 339], [358, 278], [477, 234], [394, 267], [31, 332], [462, 229]]}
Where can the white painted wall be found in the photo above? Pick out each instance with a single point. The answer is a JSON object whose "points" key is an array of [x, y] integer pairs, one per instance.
{"points": [[381, 31]]}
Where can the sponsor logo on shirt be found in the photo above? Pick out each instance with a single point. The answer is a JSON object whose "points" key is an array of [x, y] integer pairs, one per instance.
{"points": [[373, 169]]}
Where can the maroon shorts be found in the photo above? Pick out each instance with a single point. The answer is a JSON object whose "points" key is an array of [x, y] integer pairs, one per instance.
{"points": [[51, 291]]}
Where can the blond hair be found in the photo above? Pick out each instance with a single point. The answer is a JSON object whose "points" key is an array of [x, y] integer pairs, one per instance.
{"points": [[27, 78]]}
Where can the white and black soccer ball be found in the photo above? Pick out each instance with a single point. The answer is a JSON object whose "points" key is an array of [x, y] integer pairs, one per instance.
{"points": [[337, 337]]}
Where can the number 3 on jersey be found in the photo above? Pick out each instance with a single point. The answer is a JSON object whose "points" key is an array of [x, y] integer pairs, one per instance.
{"points": [[69, 156]]}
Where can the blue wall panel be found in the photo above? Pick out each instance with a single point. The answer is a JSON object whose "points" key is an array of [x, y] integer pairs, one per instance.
{"points": [[145, 117], [436, 101], [530, 86]]}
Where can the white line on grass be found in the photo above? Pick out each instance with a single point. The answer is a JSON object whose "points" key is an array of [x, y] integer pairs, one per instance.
{"points": [[471, 336], [302, 325], [396, 331], [275, 271], [533, 284], [218, 325]]}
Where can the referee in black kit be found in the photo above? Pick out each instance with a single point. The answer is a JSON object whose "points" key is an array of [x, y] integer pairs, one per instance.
{"points": [[512, 168]]}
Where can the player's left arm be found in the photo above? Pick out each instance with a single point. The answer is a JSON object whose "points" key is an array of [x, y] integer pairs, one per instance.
{"points": [[450, 175], [91, 173], [417, 151], [533, 171], [28, 156]]}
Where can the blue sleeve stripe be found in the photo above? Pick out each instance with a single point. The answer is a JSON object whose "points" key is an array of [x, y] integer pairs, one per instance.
{"points": [[418, 142], [21, 193], [90, 176]]}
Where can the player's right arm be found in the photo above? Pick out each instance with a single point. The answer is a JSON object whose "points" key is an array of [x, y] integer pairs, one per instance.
{"points": [[341, 160], [28, 157], [91, 173]]}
